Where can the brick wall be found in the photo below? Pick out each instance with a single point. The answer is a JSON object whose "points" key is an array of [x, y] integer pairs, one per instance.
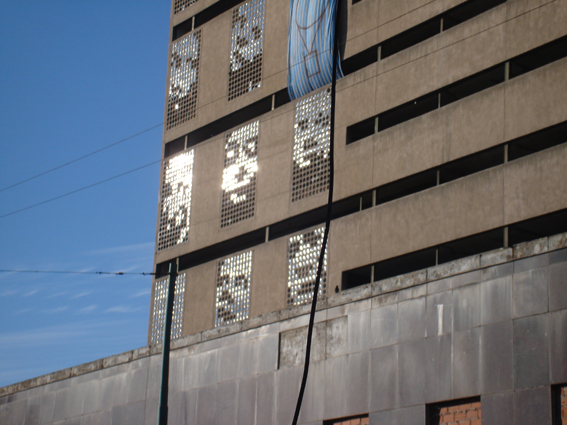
{"points": [[459, 414]]}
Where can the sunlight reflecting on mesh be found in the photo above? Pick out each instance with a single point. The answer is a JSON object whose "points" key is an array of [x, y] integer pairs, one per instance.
{"points": [[303, 258], [180, 5], [175, 200], [246, 50], [160, 304], [311, 146], [239, 174], [233, 289], [183, 79]]}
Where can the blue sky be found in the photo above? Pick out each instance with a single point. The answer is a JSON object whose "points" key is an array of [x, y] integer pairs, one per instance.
{"points": [[75, 77]]}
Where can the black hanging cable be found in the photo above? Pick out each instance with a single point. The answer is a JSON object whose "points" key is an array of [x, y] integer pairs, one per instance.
{"points": [[327, 224]]}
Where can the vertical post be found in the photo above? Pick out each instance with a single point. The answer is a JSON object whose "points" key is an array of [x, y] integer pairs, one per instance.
{"points": [[164, 391]]}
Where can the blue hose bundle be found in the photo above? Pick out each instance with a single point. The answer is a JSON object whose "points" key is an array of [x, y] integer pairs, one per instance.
{"points": [[310, 46]]}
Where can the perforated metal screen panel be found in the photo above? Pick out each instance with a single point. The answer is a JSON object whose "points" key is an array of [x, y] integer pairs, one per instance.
{"points": [[180, 5], [183, 79], [246, 49], [160, 304], [175, 203], [239, 174], [233, 289], [303, 259], [311, 146]]}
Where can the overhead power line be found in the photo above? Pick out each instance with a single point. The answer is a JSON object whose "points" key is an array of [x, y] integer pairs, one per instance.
{"points": [[79, 159], [78, 190], [75, 272]]}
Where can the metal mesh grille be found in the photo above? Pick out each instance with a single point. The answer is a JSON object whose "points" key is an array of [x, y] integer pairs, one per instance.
{"points": [[303, 258], [239, 174], [180, 5], [183, 79], [245, 73], [160, 304], [175, 200], [233, 289], [311, 146]]}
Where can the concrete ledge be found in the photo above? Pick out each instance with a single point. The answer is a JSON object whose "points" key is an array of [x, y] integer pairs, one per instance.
{"points": [[381, 293]]}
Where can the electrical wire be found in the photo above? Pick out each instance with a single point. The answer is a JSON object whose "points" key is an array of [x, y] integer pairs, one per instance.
{"points": [[327, 225], [79, 158], [79, 190], [75, 272]]}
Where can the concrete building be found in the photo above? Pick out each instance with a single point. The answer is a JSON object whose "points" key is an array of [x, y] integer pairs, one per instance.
{"points": [[444, 296]]}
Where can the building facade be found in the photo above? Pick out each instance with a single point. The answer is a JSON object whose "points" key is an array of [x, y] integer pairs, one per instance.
{"points": [[444, 289]]}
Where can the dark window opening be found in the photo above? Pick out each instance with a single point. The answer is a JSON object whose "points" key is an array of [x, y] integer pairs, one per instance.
{"points": [[473, 84], [360, 60], [461, 248], [406, 186], [356, 277], [538, 57], [408, 111], [203, 17], [467, 11], [471, 164], [175, 146], [538, 141], [410, 37], [297, 223], [360, 130], [539, 227]]}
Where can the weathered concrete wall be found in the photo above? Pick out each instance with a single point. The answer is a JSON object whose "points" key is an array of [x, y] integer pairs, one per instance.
{"points": [[493, 325]]}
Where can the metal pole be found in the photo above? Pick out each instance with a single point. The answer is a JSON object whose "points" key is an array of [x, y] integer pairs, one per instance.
{"points": [[164, 393]]}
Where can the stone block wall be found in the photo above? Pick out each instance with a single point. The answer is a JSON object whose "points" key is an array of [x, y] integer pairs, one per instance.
{"points": [[495, 330]]}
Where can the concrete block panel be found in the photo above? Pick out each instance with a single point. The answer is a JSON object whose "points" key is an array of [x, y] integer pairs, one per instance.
{"points": [[152, 409], [245, 403], [496, 300], [286, 389], [199, 298], [557, 286], [545, 88], [349, 242], [411, 373], [411, 415], [215, 63], [450, 211], [496, 369], [91, 402], [559, 256], [337, 337], [531, 263], [353, 167], [466, 363], [229, 358], [532, 407], [356, 102], [33, 405], [293, 342], [385, 417], [466, 307], [474, 123], [498, 409], [358, 331], [228, 398], [267, 348], [530, 292], [384, 325], [558, 346], [533, 23], [274, 178], [411, 319], [497, 272], [265, 399], [439, 313], [120, 414], [384, 378], [438, 373], [403, 150], [135, 413], [275, 38], [207, 405], [182, 408], [269, 277], [472, 54], [137, 385], [313, 406], [531, 352], [362, 27]]}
